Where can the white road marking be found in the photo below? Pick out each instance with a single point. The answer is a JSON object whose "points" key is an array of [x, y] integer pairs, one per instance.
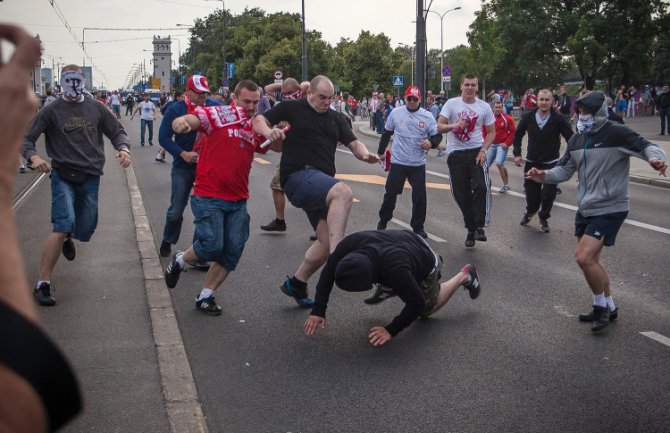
{"points": [[407, 226], [658, 337]]}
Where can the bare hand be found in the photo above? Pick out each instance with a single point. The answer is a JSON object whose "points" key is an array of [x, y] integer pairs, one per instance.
{"points": [[371, 158], [15, 93], [481, 158], [312, 323], [39, 164], [181, 126], [426, 145], [378, 336], [125, 159], [275, 134], [189, 157], [535, 174], [517, 161], [658, 165]]}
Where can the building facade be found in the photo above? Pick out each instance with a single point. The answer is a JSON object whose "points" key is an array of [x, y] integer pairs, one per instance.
{"points": [[162, 62]]}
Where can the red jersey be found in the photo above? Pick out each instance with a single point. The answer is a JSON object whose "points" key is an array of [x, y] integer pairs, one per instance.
{"points": [[505, 128], [225, 158]]}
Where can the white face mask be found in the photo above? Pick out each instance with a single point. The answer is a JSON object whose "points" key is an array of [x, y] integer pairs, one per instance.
{"points": [[72, 83], [585, 122]]}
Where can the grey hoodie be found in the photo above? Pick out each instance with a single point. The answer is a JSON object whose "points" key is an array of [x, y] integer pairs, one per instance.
{"points": [[601, 157]]}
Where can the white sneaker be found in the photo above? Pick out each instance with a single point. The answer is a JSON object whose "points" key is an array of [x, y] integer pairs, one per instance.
{"points": [[504, 189], [160, 158]]}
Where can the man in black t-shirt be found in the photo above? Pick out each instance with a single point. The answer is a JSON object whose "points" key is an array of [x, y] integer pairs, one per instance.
{"points": [[307, 170]]}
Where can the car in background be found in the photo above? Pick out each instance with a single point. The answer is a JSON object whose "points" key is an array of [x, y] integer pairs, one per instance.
{"points": [[154, 95]]}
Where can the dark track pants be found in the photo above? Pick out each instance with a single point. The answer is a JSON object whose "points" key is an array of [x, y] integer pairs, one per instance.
{"points": [[395, 182], [539, 196], [471, 187]]}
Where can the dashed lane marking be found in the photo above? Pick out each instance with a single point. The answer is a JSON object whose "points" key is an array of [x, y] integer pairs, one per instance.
{"points": [[261, 160], [658, 337]]}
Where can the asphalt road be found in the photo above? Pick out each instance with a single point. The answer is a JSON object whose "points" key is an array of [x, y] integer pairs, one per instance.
{"points": [[516, 359]]}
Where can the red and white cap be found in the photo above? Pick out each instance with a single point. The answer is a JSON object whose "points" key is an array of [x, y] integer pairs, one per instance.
{"points": [[198, 84], [413, 91]]}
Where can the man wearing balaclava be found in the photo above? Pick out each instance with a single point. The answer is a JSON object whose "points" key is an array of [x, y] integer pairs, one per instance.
{"points": [[401, 264], [74, 126], [599, 153]]}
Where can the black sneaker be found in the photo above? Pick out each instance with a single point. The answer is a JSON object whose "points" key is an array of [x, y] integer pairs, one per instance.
{"points": [[470, 240], [301, 296], [172, 272], [544, 226], [480, 235], [42, 295], [208, 305], [313, 238], [381, 294], [69, 251], [165, 249], [473, 286], [421, 233], [525, 219], [601, 318], [558, 191], [381, 226], [275, 225], [589, 316]]}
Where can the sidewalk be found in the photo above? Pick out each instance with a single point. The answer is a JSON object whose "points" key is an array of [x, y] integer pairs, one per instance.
{"points": [[640, 172]]}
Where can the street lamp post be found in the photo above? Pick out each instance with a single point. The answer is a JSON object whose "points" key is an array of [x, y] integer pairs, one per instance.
{"points": [[304, 45], [442, 40], [223, 35]]}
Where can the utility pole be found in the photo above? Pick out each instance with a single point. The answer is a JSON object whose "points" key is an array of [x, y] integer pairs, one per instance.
{"points": [[304, 45], [420, 49]]}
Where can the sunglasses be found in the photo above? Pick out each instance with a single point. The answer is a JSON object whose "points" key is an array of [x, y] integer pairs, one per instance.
{"points": [[412, 99]]}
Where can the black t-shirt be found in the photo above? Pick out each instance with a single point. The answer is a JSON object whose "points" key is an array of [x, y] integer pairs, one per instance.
{"points": [[312, 139]]}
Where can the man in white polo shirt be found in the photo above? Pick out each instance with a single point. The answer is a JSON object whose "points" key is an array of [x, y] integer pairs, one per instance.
{"points": [[462, 119]]}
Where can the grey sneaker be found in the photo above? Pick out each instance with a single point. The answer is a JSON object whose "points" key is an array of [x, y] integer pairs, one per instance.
{"points": [[381, 294], [504, 189], [42, 295]]}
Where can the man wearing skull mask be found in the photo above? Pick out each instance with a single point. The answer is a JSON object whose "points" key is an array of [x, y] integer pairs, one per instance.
{"points": [[74, 126]]}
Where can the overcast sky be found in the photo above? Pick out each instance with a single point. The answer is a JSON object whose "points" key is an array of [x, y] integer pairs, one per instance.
{"points": [[115, 52]]}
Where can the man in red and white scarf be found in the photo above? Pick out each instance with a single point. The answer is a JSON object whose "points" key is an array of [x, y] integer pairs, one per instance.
{"points": [[221, 189]]}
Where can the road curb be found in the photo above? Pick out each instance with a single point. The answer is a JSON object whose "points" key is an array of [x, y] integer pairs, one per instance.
{"points": [[662, 183], [183, 407]]}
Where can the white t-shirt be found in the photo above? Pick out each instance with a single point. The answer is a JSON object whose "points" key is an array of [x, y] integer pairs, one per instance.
{"points": [[410, 129], [476, 114], [116, 100], [146, 110]]}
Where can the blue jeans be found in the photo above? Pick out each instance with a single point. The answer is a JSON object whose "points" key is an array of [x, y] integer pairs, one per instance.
{"points": [[379, 120], [182, 183], [496, 153], [150, 125], [221, 230], [74, 207]]}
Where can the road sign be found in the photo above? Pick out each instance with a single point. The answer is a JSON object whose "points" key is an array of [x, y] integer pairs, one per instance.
{"points": [[230, 69], [446, 71], [397, 81], [278, 75], [375, 87], [446, 79]]}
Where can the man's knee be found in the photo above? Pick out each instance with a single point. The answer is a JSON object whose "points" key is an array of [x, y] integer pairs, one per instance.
{"points": [[340, 191], [584, 258]]}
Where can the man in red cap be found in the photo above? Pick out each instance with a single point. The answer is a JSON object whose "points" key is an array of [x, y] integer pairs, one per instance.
{"points": [[184, 158], [416, 134]]}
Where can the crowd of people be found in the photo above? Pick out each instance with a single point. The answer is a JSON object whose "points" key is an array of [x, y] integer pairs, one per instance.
{"points": [[213, 142]]}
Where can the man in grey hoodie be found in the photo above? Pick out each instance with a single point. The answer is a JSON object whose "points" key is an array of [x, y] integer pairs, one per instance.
{"points": [[602, 192]]}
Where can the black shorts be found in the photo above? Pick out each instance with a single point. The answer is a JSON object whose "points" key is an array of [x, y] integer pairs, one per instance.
{"points": [[600, 226]]}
